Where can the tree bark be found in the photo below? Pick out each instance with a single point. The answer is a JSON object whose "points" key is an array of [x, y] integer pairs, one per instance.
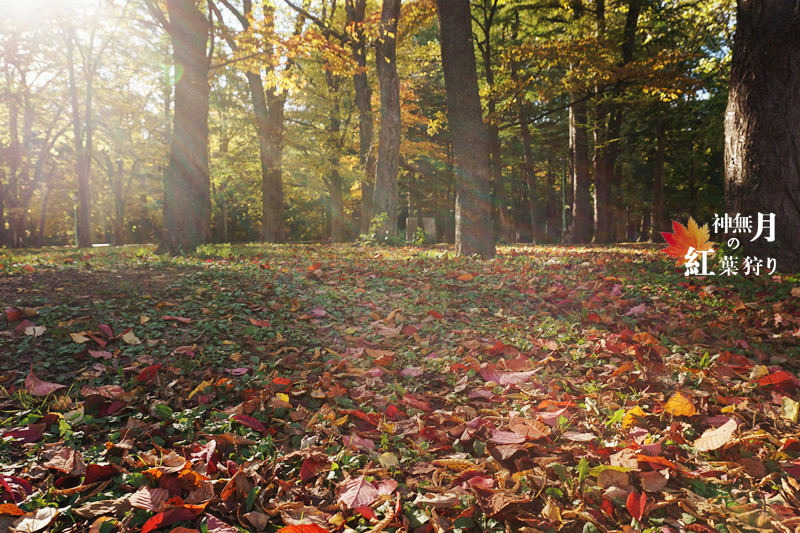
{"points": [[474, 233], [385, 195], [187, 196], [356, 12], [762, 127]]}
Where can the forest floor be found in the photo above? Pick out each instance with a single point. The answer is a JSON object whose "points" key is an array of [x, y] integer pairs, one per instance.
{"points": [[357, 388]]}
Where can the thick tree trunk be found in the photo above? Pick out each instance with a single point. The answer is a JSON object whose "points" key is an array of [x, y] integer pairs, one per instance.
{"points": [[474, 233], [269, 130], [187, 198], [580, 230], [762, 127], [356, 11], [385, 195]]}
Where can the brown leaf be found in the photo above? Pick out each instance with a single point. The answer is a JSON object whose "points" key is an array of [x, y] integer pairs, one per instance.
{"points": [[149, 498], [611, 477]]}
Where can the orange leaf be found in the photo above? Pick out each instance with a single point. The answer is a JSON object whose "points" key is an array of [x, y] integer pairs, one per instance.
{"points": [[680, 405], [303, 528], [465, 277], [684, 237], [9, 509], [632, 416]]}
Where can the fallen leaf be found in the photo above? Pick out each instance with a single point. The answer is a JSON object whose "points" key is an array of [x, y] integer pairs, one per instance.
{"points": [[506, 378], [789, 409], [632, 416], [36, 521], [356, 492], [37, 387], [715, 438], [149, 498], [636, 504], [680, 405], [130, 338], [304, 528]]}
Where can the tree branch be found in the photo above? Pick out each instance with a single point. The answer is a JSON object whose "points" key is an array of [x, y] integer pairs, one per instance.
{"points": [[326, 29], [158, 15]]}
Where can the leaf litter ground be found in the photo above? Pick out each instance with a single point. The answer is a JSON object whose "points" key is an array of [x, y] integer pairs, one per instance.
{"points": [[348, 388]]}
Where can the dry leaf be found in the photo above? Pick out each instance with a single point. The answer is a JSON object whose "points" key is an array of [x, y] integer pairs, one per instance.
{"points": [[680, 405], [715, 438]]}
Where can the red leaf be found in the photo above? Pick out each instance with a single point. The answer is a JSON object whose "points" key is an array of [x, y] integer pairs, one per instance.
{"points": [[422, 405], [636, 505], [178, 318], [107, 331], [366, 512], [506, 378], [37, 387], [14, 489], [251, 422], [357, 492], [167, 518], [435, 315], [310, 467], [13, 314], [261, 323], [148, 374], [31, 433], [778, 380], [95, 473]]}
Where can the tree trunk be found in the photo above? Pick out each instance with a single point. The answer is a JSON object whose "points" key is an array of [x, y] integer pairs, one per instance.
{"points": [[187, 198], [474, 233], [762, 127], [333, 182], [356, 11], [580, 230], [82, 138], [489, 8], [3, 241], [657, 213], [385, 195]]}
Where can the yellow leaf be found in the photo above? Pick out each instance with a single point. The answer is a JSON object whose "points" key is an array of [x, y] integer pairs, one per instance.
{"points": [[77, 338], [680, 405], [789, 409], [200, 388], [144, 319], [632, 416], [388, 460], [130, 338]]}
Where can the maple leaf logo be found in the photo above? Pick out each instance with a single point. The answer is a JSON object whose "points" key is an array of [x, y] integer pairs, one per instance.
{"points": [[684, 237]]}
